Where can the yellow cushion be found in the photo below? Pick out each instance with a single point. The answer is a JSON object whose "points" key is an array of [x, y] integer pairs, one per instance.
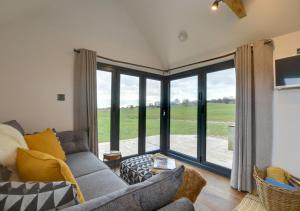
{"points": [[38, 166], [46, 142], [277, 174]]}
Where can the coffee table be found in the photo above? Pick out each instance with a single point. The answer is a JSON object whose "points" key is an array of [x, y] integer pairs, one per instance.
{"points": [[137, 169], [112, 159]]}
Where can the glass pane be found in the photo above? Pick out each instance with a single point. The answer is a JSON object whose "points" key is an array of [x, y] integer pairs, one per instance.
{"points": [[220, 117], [152, 115], [104, 109], [129, 114], [183, 115]]}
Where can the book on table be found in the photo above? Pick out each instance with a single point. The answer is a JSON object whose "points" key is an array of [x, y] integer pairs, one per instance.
{"points": [[164, 163]]}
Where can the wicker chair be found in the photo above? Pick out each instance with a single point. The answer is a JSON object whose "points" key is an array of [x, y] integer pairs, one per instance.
{"points": [[274, 198]]}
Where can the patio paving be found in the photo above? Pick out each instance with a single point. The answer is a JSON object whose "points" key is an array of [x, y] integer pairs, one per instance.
{"points": [[217, 148]]}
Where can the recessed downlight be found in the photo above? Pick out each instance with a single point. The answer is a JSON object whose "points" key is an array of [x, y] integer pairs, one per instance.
{"points": [[183, 36]]}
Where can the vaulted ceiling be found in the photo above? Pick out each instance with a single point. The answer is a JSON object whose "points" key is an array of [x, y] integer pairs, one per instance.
{"points": [[210, 33]]}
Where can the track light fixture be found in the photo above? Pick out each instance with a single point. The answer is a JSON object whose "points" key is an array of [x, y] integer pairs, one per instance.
{"points": [[215, 5]]}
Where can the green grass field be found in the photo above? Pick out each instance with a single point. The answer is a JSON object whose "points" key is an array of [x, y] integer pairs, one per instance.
{"points": [[183, 121]]}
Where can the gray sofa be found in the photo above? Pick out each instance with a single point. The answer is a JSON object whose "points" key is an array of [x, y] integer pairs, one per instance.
{"points": [[104, 190]]}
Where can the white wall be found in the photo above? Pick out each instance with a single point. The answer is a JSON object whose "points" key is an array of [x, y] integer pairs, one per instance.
{"points": [[286, 130], [36, 56]]}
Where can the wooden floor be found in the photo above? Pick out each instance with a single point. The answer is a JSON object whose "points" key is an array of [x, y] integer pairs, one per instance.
{"points": [[217, 194]]}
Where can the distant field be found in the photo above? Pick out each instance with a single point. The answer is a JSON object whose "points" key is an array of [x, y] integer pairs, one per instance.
{"points": [[183, 121]]}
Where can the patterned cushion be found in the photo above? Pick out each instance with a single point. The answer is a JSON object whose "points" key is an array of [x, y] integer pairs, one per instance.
{"points": [[137, 169], [37, 196]]}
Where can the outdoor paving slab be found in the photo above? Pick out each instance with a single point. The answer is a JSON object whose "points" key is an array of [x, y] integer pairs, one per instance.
{"points": [[217, 148]]}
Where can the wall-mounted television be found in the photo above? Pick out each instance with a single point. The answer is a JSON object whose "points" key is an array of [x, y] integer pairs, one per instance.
{"points": [[287, 72]]}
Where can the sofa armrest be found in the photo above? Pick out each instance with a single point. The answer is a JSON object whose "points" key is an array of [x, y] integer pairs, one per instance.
{"points": [[179, 205], [73, 141]]}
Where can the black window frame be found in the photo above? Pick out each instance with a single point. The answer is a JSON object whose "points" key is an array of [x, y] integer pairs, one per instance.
{"points": [[200, 72]]}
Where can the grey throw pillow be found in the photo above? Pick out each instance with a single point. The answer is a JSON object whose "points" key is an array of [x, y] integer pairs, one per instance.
{"points": [[4, 174], [37, 196], [73, 141], [149, 195], [16, 125]]}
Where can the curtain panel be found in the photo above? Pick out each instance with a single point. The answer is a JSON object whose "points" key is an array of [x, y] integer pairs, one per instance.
{"points": [[254, 108], [85, 96]]}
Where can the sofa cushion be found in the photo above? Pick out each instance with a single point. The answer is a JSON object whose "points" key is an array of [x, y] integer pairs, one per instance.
{"points": [[16, 125], [73, 141], [47, 142], [38, 166], [100, 183], [4, 173], [149, 195], [10, 140], [37, 195], [83, 163]]}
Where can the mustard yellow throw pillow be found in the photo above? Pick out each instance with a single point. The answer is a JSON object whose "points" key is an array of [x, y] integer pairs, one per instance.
{"points": [[38, 166], [277, 174], [46, 142]]}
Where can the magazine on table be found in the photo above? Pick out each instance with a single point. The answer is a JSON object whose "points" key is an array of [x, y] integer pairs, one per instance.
{"points": [[164, 163]]}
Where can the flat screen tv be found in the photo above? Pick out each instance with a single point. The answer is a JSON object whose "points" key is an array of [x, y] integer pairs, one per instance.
{"points": [[287, 72]]}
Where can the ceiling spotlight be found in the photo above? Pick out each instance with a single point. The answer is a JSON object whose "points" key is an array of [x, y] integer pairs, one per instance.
{"points": [[215, 5], [183, 36]]}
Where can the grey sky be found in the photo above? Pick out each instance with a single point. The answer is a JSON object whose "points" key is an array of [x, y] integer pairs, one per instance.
{"points": [[219, 84], [103, 89], [129, 90]]}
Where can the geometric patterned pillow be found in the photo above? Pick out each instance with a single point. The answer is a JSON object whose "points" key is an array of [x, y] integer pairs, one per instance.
{"points": [[37, 196]]}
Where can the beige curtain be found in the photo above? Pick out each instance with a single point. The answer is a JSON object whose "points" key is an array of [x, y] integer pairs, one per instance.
{"points": [[85, 96], [254, 102], [243, 156], [263, 83]]}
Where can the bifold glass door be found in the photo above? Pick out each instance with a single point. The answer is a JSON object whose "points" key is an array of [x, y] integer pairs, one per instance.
{"points": [[189, 115], [202, 116], [129, 111]]}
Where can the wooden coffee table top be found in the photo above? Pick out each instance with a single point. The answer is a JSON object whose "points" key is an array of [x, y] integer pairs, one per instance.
{"points": [[115, 155]]}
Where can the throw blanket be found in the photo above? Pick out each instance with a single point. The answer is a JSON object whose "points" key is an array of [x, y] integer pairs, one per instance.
{"points": [[10, 140], [191, 186]]}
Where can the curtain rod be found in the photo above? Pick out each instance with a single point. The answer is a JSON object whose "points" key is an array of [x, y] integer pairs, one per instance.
{"points": [[121, 62], [203, 61], [163, 70]]}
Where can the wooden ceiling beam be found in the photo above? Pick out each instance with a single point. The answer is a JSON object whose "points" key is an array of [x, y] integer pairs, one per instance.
{"points": [[237, 6]]}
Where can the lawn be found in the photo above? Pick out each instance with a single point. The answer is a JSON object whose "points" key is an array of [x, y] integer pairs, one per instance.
{"points": [[183, 121]]}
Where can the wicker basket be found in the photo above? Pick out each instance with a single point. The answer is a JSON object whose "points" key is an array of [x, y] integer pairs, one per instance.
{"points": [[274, 198]]}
